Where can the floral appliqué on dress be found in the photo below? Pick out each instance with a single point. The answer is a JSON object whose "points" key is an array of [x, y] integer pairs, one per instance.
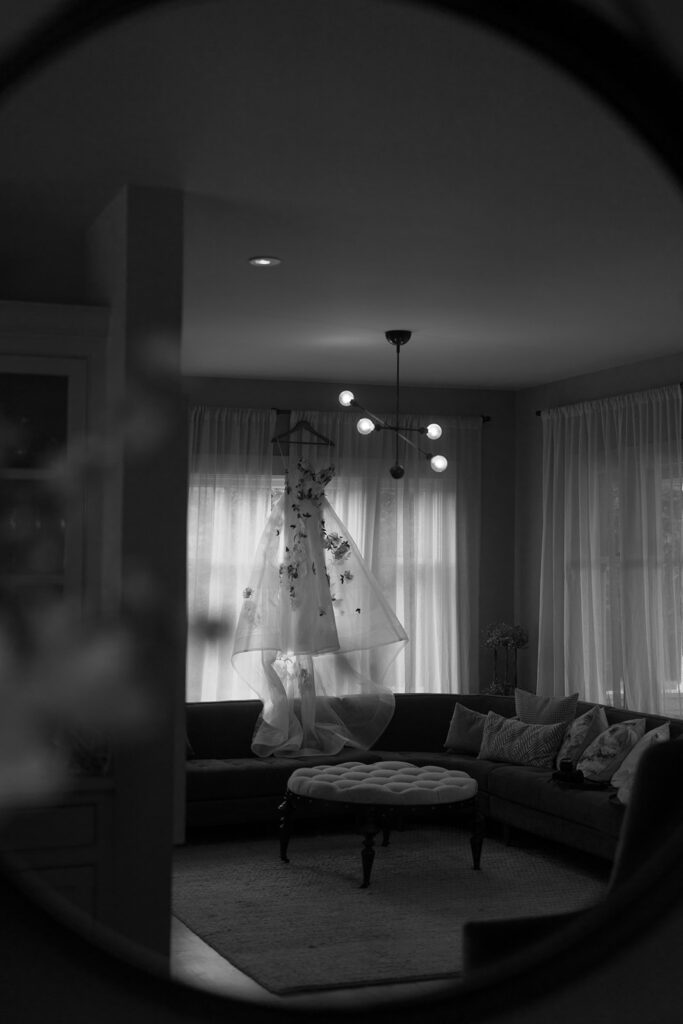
{"points": [[308, 494]]}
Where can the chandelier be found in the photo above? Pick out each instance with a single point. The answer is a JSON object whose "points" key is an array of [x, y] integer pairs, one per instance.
{"points": [[371, 422]]}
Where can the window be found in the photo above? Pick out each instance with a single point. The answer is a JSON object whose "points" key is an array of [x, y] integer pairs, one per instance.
{"points": [[611, 603], [419, 538]]}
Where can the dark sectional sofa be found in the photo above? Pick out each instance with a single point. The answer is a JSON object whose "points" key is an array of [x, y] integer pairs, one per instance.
{"points": [[228, 785]]}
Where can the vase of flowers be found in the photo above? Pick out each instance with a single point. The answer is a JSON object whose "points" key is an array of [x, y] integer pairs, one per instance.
{"points": [[504, 641]]}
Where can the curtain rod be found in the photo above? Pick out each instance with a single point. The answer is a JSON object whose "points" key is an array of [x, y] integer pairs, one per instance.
{"points": [[484, 417]]}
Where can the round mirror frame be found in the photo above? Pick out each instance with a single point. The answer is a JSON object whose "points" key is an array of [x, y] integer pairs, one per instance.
{"points": [[608, 953]]}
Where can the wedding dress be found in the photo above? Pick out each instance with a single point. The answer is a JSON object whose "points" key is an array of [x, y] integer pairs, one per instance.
{"points": [[315, 634]]}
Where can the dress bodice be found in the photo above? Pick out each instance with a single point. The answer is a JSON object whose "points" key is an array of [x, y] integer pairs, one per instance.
{"points": [[308, 486]]}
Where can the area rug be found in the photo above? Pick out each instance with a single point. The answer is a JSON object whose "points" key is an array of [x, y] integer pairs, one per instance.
{"points": [[308, 925]]}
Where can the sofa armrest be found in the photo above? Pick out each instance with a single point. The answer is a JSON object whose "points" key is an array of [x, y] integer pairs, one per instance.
{"points": [[487, 942]]}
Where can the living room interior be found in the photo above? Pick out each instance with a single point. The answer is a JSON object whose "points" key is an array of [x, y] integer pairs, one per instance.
{"points": [[409, 169]]}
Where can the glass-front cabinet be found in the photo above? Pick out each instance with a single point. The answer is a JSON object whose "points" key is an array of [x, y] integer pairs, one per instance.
{"points": [[42, 501], [51, 362]]}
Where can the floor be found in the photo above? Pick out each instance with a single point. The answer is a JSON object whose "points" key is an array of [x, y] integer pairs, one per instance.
{"points": [[195, 963]]}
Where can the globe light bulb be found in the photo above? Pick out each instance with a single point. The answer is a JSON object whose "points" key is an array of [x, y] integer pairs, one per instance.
{"points": [[264, 261], [365, 426], [438, 463], [346, 398], [434, 431]]}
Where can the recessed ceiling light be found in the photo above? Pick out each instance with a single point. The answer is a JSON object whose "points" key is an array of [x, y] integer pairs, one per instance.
{"points": [[264, 261]]}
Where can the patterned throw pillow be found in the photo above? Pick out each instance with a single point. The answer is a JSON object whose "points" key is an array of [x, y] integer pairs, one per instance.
{"points": [[544, 710], [623, 777], [580, 733], [602, 757], [508, 739], [465, 731]]}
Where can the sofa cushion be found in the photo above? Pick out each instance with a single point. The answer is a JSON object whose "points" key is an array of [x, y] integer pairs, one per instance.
{"points": [[517, 742], [538, 710], [243, 777], [602, 757], [466, 730], [580, 733], [535, 788], [622, 780]]}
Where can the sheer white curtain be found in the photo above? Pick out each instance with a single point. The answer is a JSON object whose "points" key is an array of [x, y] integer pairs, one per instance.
{"points": [[610, 592], [419, 537], [231, 477]]}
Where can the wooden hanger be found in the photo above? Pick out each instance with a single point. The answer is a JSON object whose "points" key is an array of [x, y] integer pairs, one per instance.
{"points": [[299, 427]]}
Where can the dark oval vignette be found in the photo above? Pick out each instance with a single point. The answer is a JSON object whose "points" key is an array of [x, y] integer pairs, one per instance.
{"points": [[620, 961]]}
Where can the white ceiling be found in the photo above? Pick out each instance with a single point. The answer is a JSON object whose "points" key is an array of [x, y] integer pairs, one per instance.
{"points": [[411, 170]]}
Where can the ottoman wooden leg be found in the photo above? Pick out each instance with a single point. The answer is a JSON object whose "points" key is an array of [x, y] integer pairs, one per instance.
{"points": [[477, 840], [286, 810]]}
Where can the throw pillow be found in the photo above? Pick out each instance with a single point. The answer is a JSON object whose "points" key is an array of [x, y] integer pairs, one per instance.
{"points": [[602, 757], [580, 733], [544, 710], [623, 777], [465, 731], [508, 739]]}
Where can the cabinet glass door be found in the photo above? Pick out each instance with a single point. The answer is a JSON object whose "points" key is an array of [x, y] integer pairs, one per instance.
{"points": [[42, 411]]}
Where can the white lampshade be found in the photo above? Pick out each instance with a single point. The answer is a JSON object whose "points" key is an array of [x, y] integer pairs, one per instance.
{"points": [[434, 431], [365, 425], [438, 463], [346, 397]]}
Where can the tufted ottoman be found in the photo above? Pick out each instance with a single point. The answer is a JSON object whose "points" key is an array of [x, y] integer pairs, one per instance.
{"points": [[378, 791]]}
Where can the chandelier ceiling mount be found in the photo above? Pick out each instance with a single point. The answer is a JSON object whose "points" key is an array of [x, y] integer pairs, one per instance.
{"points": [[398, 338]]}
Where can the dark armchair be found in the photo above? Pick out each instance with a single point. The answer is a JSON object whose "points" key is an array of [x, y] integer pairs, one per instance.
{"points": [[654, 812]]}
